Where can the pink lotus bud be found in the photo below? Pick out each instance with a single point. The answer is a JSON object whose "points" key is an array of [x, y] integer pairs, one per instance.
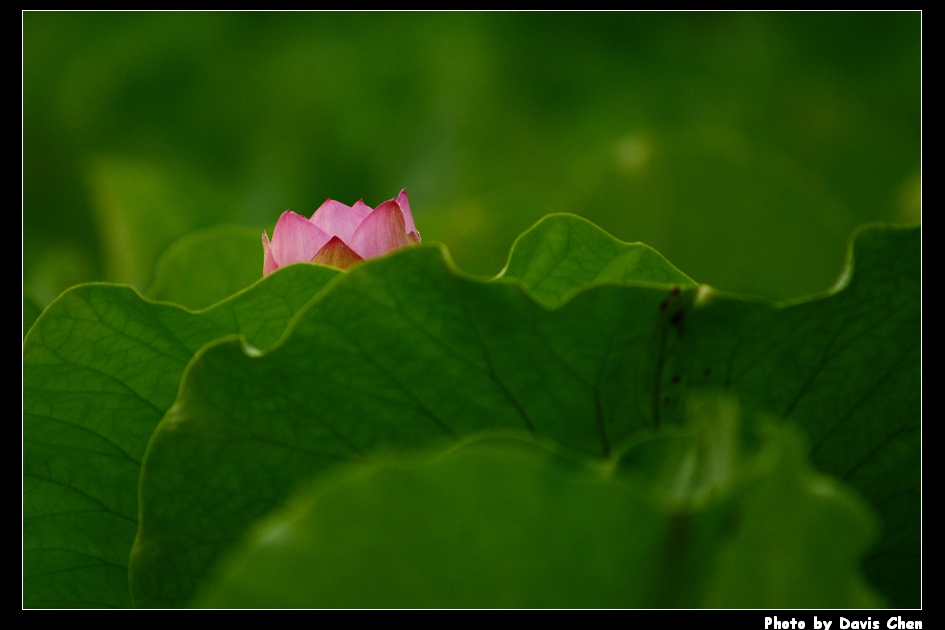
{"points": [[340, 236]]}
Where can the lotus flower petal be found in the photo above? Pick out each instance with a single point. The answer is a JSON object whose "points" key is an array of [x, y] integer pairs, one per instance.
{"points": [[408, 216], [382, 231], [269, 262], [336, 254], [295, 239], [337, 219], [362, 208]]}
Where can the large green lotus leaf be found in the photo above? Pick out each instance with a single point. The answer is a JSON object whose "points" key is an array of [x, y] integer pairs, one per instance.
{"points": [[404, 351], [207, 266], [563, 254], [101, 367], [401, 352], [202, 266], [508, 524]]}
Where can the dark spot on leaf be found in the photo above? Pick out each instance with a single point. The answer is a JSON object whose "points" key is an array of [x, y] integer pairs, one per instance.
{"points": [[676, 379], [707, 372], [666, 400], [677, 317], [665, 303]]}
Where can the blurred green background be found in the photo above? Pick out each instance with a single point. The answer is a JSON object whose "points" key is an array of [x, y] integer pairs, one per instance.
{"points": [[745, 147]]}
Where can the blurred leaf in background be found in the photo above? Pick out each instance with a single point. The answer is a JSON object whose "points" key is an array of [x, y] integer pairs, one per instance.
{"points": [[207, 266], [142, 208], [744, 147]]}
